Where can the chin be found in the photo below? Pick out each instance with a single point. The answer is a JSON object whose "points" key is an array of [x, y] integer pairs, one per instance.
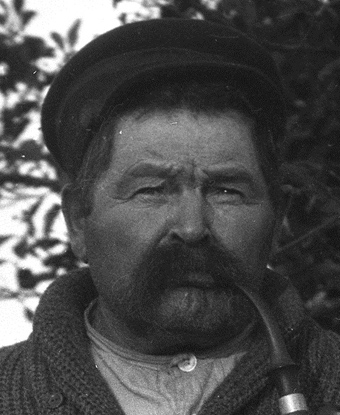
{"points": [[208, 315]]}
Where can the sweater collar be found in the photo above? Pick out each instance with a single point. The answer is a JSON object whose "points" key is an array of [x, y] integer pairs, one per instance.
{"points": [[60, 358]]}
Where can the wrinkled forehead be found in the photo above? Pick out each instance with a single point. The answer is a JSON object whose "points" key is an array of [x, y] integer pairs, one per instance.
{"points": [[198, 106], [181, 141]]}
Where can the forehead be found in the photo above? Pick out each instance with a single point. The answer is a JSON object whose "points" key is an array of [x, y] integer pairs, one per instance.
{"points": [[183, 137]]}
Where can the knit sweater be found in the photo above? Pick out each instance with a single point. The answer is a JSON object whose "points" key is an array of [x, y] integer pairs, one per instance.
{"points": [[53, 371]]}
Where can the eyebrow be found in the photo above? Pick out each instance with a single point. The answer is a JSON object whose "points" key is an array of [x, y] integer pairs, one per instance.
{"points": [[237, 174], [163, 170], [150, 168], [223, 171]]}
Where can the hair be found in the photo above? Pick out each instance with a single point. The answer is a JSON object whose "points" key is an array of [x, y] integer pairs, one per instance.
{"points": [[199, 97]]}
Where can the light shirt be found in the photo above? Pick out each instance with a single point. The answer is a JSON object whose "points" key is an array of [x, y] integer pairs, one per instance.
{"points": [[157, 385]]}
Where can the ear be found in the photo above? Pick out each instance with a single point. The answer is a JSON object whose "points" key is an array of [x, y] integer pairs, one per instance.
{"points": [[73, 211], [280, 222]]}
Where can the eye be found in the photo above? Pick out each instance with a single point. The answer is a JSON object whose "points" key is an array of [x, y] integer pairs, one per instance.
{"points": [[225, 194], [228, 191], [150, 192]]}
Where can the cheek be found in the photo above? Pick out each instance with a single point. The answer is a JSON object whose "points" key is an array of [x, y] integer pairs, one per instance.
{"points": [[247, 231], [120, 235]]}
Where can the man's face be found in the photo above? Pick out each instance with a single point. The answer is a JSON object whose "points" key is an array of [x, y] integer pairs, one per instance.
{"points": [[181, 214]]}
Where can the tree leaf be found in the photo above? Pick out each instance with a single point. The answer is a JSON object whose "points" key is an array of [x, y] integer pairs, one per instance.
{"points": [[58, 39], [66, 259], [50, 218], [32, 150], [21, 248], [34, 48], [28, 16], [3, 19], [28, 215], [26, 279], [4, 5], [72, 34], [4, 238], [47, 243], [28, 314], [18, 5]]}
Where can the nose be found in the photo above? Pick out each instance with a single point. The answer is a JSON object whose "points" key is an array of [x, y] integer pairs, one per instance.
{"points": [[191, 224]]}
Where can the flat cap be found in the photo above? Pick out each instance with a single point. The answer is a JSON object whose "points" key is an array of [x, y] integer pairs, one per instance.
{"points": [[115, 64]]}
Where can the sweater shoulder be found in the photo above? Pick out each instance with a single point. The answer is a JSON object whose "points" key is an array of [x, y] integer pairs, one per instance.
{"points": [[320, 365], [9, 352], [323, 344]]}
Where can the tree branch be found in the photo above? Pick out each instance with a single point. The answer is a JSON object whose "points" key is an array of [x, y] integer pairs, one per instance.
{"points": [[307, 235], [213, 15], [18, 153], [30, 181]]}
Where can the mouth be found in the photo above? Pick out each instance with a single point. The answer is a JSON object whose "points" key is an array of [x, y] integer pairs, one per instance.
{"points": [[199, 280]]}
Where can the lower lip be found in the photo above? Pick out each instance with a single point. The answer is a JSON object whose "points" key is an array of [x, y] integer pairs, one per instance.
{"points": [[191, 299], [199, 286], [198, 280], [187, 292]]}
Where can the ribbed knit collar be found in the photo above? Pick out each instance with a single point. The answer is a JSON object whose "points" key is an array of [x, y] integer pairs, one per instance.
{"points": [[59, 356], [60, 348]]}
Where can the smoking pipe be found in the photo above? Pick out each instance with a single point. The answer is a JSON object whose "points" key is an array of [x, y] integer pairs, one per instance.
{"points": [[283, 370]]}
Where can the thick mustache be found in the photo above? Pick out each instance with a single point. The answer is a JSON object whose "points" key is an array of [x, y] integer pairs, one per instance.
{"points": [[163, 267], [206, 265]]}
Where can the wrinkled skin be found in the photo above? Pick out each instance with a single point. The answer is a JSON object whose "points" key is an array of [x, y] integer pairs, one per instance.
{"points": [[181, 213]]}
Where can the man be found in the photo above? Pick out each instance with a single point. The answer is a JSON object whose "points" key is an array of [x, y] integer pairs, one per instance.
{"points": [[168, 132]]}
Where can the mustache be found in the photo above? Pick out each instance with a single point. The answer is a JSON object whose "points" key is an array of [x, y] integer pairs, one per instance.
{"points": [[164, 267], [178, 265], [207, 265]]}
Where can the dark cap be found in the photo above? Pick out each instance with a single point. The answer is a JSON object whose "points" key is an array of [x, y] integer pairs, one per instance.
{"points": [[112, 66]]}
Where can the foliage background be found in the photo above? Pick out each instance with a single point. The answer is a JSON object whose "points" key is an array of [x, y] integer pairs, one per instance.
{"points": [[302, 35]]}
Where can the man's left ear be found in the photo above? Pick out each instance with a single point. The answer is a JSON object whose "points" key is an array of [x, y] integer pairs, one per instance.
{"points": [[279, 223], [72, 207]]}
